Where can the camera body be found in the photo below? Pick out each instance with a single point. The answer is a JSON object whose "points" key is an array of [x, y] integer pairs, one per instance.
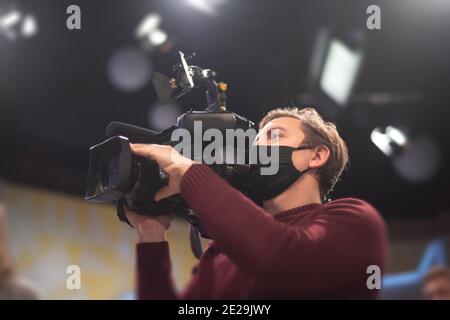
{"points": [[117, 175]]}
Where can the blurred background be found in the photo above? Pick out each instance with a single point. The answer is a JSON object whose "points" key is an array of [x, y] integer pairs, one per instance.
{"points": [[387, 90]]}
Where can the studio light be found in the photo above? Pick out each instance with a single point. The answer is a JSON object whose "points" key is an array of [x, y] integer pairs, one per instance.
{"points": [[14, 25], [414, 159], [129, 69], [157, 37], [420, 161], [339, 72], [29, 26], [148, 24], [336, 61], [388, 140], [162, 116], [149, 31], [208, 7]]}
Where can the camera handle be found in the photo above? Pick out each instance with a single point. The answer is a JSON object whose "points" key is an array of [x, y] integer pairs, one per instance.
{"points": [[195, 242], [194, 233], [120, 207]]}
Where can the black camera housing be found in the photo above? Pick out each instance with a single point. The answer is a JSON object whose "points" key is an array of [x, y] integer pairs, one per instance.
{"points": [[117, 175]]}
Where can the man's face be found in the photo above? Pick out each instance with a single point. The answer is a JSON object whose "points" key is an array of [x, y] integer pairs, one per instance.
{"points": [[285, 131], [437, 289]]}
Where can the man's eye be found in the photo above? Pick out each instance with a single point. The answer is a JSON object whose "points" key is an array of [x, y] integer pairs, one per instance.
{"points": [[274, 134], [271, 134]]}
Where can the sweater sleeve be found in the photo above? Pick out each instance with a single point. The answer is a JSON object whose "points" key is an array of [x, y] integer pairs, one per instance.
{"points": [[154, 271], [333, 243], [154, 277]]}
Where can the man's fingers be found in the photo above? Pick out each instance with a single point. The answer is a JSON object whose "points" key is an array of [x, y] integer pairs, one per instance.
{"points": [[145, 150], [164, 192], [163, 154]]}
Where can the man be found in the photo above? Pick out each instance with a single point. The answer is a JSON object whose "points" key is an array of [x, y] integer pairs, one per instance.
{"points": [[436, 284], [292, 246]]}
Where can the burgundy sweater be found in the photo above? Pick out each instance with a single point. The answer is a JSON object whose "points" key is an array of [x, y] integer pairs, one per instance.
{"points": [[314, 251]]}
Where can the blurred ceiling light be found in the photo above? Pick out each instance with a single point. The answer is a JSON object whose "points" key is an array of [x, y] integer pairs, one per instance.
{"points": [[208, 7], [381, 140], [14, 24], [339, 71], [157, 37], [148, 24], [8, 24], [388, 140], [10, 19], [29, 26], [420, 160], [415, 160], [129, 69], [396, 136], [163, 116], [149, 31]]}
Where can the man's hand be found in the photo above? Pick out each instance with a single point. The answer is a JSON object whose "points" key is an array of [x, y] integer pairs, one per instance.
{"points": [[170, 160], [153, 229], [149, 229]]}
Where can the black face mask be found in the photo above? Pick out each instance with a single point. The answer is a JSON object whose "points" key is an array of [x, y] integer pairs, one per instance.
{"points": [[262, 187]]}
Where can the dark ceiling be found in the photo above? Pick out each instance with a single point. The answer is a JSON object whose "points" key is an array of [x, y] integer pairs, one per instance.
{"points": [[56, 99]]}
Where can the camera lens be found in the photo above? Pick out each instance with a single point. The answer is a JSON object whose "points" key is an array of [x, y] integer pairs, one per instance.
{"points": [[110, 175]]}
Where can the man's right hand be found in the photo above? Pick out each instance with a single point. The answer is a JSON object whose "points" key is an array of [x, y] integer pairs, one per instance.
{"points": [[149, 228]]}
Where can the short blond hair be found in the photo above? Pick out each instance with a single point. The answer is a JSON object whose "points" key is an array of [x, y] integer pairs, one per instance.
{"points": [[318, 132]]}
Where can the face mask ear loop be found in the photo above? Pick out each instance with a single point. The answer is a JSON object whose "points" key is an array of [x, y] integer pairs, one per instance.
{"points": [[304, 148]]}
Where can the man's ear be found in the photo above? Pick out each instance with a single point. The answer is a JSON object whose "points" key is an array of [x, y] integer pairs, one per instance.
{"points": [[319, 156]]}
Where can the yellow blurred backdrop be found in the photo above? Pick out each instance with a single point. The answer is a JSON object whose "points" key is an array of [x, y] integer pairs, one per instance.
{"points": [[48, 231]]}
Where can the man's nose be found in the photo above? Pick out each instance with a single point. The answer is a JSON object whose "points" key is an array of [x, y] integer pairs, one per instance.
{"points": [[262, 142]]}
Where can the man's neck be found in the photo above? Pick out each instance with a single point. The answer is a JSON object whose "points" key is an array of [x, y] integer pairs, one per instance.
{"points": [[304, 191]]}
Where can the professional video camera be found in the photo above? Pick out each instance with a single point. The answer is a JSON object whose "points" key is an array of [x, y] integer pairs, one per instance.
{"points": [[117, 175]]}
